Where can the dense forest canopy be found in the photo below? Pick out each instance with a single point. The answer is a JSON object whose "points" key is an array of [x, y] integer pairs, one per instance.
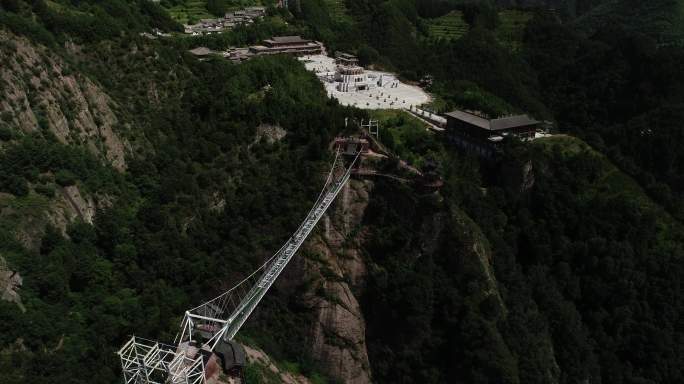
{"points": [[561, 261]]}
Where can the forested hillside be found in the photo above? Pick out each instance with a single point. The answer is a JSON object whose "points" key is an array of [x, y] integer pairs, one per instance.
{"points": [[615, 87], [136, 181], [205, 196]]}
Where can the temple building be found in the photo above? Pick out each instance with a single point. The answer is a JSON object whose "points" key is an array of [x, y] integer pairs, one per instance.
{"points": [[480, 134], [352, 79], [346, 59], [350, 76], [294, 45]]}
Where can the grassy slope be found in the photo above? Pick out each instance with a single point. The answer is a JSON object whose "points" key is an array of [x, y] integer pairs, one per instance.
{"points": [[660, 19], [190, 10], [613, 183], [193, 10], [453, 26], [612, 177]]}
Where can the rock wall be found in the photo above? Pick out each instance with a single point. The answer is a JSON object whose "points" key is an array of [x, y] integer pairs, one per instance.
{"points": [[73, 205], [337, 270], [38, 91]]}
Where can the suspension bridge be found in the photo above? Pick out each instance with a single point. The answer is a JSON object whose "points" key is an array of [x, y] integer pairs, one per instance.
{"points": [[205, 327]]}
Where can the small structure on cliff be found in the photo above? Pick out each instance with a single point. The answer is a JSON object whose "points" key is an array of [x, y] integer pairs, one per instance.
{"points": [[350, 146], [368, 147], [232, 355]]}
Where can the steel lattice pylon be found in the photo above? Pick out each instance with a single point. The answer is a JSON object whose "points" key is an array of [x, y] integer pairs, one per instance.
{"points": [[149, 362]]}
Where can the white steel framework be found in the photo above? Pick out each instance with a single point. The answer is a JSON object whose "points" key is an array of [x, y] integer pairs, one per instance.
{"points": [[149, 362]]}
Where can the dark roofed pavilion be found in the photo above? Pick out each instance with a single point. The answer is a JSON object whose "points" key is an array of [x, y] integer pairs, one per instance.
{"points": [[482, 134]]}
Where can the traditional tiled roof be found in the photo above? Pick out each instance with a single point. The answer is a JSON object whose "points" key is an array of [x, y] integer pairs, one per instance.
{"points": [[201, 51], [288, 39], [493, 124]]}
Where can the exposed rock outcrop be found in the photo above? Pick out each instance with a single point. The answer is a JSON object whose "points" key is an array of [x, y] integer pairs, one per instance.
{"points": [[10, 284], [31, 214], [518, 177], [75, 205], [269, 133], [38, 92], [258, 358]]}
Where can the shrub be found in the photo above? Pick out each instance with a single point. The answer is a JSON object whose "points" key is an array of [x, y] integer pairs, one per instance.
{"points": [[367, 55], [65, 177], [43, 122], [6, 116], [5, 134], [16, 185], [217, 7], [26, 27], [45, 190]]}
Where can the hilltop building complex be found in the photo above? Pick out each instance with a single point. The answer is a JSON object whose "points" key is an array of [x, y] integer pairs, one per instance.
{"points": [[291, 45], [228, 21]]}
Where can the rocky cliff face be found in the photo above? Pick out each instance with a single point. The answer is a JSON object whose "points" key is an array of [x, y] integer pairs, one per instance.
{"points": [[10, 284], [336, 269], [38, 91]]}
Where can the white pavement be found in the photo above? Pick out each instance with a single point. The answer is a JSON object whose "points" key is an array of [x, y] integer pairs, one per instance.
{"points": [[392, 94]]}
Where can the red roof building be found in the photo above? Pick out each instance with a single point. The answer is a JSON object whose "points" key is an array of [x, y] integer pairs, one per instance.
{"points": [[287, 44]]}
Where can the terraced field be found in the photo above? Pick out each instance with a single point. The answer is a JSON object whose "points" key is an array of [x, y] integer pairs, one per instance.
{"points": [[190, 11], [512, 28], [193, 10], [450, 26], [338, 10]]}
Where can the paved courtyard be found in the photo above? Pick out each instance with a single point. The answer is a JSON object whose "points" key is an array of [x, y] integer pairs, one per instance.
{"points": [[391, 94]]}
